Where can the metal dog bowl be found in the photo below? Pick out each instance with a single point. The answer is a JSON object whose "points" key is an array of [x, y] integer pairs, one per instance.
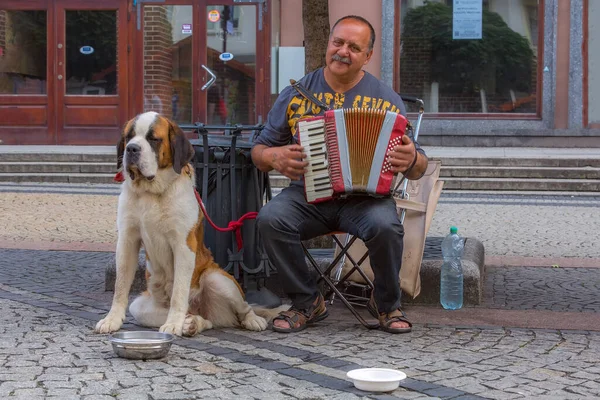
{"points": [[141, 345]]}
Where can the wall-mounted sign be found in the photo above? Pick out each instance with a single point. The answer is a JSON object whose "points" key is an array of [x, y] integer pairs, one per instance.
{"points": [[466, 19], [186, 29], [225, 56], [214, 15], [86, 50]]}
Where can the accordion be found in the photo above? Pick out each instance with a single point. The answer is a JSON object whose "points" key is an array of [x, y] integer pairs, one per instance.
{"points": [[347, 152]]}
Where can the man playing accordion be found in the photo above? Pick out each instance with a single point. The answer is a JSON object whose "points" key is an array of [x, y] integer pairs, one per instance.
{"points": [[289, 218]]}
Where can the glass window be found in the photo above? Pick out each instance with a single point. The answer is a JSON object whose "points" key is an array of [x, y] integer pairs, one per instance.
{"points": [[231, 99], [496, 73], [22, 52], [168, 61], [91, 52]]}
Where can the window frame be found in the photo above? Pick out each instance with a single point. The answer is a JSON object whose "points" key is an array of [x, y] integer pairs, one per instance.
{"points": [[585, 57]]}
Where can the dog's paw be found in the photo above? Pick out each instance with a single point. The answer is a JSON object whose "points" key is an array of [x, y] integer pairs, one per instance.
{"points": [[195, 324], [108, 325], [253, 322], [174, 329]]}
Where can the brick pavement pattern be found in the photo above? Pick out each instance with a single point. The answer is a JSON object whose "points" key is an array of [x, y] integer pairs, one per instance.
{"points": [[58, 217], [537, 226], [517, 225]]}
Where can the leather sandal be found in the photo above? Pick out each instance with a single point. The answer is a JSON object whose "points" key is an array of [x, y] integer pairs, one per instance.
{"points": [[387, 319], [299, 319]]}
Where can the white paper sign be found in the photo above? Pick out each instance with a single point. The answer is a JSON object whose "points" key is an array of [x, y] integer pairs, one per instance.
{"points": [[186, 29], [466, 19]]}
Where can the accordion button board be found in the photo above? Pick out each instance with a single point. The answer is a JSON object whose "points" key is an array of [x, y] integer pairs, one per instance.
{"points": [[317, 184]]}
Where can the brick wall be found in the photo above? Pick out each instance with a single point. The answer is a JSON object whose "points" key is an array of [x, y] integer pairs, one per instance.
{"points": [[158, 77]]}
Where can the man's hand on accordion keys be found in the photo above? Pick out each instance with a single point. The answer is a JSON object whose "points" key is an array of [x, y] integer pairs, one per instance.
{"points": [[288, 160], [403, 157]]}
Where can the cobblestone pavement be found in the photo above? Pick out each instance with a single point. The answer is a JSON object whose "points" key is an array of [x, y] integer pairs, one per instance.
{"points": [[556, 289], [50, 301]]}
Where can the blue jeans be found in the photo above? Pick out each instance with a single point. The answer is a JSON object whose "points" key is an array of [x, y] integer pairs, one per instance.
{"points": [[288, 218]]}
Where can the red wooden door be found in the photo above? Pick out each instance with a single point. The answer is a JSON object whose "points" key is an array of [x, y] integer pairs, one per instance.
{"points": [[26, 98], [90, 70]]}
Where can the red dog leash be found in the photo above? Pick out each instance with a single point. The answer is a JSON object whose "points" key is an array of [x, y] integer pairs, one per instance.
{"points": [[232, 226]]}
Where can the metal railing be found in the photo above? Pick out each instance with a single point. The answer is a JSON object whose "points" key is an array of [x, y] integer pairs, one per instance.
{"points": [[230, 186]]}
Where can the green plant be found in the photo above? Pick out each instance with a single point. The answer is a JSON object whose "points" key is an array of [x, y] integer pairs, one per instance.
{"points": [[501, 60]]}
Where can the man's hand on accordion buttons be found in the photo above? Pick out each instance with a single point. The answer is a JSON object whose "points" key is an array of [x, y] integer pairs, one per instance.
{"points": [[402, 156], [288, 160]]}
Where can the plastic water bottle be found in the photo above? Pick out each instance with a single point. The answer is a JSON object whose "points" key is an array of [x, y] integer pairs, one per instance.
{"points": [[451, 277]]}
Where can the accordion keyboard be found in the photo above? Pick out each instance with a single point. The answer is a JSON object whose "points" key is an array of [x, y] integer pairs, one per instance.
{"points": [[317, 182]]}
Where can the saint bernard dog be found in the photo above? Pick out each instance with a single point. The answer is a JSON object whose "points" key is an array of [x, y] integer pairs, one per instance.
{"points": [[186, 292]]}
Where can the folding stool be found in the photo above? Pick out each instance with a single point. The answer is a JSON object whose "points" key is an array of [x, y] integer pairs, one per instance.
{"points": [[349, 276]]}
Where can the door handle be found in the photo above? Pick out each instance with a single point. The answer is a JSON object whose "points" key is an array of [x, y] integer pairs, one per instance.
{"points": [[212, 79]]}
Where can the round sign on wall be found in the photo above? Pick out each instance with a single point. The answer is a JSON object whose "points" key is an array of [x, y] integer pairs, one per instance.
{"points": [[86, 50], [214, 15]]}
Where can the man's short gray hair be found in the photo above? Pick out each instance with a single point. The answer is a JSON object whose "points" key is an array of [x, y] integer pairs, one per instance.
{"points": [[359, 19]]}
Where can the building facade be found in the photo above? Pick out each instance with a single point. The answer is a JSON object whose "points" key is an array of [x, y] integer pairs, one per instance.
{"points": [[491, 72]]}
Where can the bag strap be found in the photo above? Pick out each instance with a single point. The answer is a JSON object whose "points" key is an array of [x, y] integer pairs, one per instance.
{"points": [[306, 94]]}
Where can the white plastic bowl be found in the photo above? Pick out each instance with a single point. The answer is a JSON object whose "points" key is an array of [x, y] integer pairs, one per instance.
{"points": [[376, 379]]}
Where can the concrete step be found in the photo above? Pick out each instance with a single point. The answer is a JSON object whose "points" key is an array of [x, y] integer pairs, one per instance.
{"points": [[522, 179], [57, 177], [576, 171], [59, 157], [531, 172], [571, 162], [567, 185], [57, 167]]}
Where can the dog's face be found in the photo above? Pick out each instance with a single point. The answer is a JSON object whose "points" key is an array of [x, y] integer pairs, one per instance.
{"points": [[150, 143]]}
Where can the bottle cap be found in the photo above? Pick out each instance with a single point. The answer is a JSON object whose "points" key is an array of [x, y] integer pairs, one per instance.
{"points": [[453, 229]]}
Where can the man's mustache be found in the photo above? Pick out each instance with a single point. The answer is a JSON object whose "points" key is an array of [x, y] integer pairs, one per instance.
{"points": [[345, 60]]}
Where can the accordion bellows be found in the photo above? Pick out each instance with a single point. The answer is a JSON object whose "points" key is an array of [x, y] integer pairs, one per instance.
{"points": [[347, 149]]}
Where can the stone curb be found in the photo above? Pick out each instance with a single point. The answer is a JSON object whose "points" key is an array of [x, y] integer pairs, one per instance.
{"points": [[473, 262], [139, 281]]}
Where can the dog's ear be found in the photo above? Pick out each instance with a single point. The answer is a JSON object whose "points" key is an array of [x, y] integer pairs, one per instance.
{"points": [[120, 152], [181, 148], [122, 142]]}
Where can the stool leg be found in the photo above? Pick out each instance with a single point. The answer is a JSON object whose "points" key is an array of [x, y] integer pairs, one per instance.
{"points": [[324, 274], [340, 267]]}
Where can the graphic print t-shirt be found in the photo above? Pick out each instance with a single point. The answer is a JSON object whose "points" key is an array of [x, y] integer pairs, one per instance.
{"points": [[370, 92]]}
